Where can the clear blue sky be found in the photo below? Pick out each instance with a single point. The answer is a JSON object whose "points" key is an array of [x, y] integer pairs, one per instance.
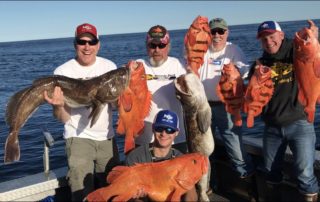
{"points": [[28, 20]]}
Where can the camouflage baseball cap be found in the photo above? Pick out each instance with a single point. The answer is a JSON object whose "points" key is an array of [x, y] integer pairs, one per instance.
{"points": [[218, 23]]}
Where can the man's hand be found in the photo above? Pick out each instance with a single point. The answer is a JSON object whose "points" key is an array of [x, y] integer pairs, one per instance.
{"points": [[57, 99], [314, 28]]}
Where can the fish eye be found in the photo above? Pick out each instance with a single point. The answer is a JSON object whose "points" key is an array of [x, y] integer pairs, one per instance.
{"points": [[194, 161]]}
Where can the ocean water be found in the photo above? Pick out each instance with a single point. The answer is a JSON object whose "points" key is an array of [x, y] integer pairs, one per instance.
{"points": [[22, 62]]}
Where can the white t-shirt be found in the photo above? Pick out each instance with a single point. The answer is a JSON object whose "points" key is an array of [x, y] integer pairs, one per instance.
{"points": [[163, 97], [210, 71], [79, 124]]}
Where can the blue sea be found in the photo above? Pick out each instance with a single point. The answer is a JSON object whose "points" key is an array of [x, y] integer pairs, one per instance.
{"points": [[24, 61]]}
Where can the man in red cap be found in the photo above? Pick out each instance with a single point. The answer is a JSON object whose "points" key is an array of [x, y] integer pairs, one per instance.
{"points": [[285, 120], [89, 149]]}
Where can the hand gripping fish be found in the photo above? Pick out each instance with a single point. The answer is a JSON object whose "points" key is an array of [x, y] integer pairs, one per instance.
{"points": [[197, 41], [95, 93], [258, 93], [197, 117], [162, 181], [307, 69], [134, 105], [231, 91]]}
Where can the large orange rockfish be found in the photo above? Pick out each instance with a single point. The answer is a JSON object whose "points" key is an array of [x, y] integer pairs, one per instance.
{"points": [[197, 41], [162, 181], [134, 105], [307, 69], [231, 91], [259, 92]]}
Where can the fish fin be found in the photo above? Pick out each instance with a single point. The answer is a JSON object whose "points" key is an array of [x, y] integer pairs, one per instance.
{"points": [[184, 182], [95, 113], [12, 148], [115, 173], [147, 106], [13, 105], [101, 194], [120, 127], [250, 120], [126, 100], [301, 97], [129, 142], [316, 67], [203, 120]]}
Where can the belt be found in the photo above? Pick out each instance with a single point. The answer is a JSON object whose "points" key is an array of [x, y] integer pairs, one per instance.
{"points": [[215, 103]]}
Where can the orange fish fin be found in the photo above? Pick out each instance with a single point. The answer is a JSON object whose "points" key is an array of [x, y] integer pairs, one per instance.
{"points": [[250, 120], [115, 173], [97, 195], [316, 67], [120, 127], [302, 98], [126, 100], [147, 106], [129, 142]]}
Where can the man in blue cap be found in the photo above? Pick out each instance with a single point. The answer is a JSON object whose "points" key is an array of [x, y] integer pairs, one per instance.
{"points": [[165, 129]]}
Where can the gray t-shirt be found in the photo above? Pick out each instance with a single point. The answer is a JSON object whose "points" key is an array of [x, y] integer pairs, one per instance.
{"points": [[144, 154]]}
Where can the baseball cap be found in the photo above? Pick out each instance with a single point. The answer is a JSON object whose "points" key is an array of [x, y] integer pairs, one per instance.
{"points": [[268, 27], [158, 34], [86, 28], [166, 118], [218, 23]]}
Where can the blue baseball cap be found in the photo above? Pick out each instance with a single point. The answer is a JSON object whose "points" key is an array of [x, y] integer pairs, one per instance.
{"points": [[166, 118], [268, 27]]}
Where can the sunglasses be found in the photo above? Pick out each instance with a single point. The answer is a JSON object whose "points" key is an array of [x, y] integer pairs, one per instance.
{"points": [[82, 42], [161, 129], [154, 46], [219, 31]]}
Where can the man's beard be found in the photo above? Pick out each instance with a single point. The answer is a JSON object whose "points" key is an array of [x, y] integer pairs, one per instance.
{"points": [[156, 63]]}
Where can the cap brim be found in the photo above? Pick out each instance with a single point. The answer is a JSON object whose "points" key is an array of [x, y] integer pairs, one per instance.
{"points": [[264, 32], [80, 35], [167, 126]]}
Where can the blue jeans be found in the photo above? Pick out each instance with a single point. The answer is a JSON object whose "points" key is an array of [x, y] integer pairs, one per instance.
{"points": [[232, 139], [300, 136]]}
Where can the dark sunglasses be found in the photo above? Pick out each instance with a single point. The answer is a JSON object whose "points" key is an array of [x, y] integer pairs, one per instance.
{"points": [[219, 31], [154, 46], [82, 42], [161, 129]]}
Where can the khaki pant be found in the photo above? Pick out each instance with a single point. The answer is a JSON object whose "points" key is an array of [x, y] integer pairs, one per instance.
{"points": [[89, 162]]}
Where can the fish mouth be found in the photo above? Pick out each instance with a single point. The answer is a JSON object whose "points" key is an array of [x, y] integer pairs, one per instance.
{"points": [[182, 86]]}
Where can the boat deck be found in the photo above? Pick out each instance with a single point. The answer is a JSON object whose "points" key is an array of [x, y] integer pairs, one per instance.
{"points": [[227, 186]]}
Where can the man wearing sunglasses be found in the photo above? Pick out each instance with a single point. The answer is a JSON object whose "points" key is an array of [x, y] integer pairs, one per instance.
{"points": [[88, 149], [161, 70], [222, 52], [165, 129]]}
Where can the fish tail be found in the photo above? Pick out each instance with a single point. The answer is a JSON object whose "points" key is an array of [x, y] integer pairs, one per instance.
{"points": [[12, 148]]}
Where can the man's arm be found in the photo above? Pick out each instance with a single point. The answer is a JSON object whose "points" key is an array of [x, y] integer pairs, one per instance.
{"points": [[60, 110]]}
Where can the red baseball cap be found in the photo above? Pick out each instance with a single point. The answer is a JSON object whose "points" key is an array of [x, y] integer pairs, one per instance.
{"points": [[86, 28]]}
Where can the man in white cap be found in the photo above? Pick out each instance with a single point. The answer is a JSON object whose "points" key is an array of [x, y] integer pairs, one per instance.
{"points": [[284, 117], [89, 149]]}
